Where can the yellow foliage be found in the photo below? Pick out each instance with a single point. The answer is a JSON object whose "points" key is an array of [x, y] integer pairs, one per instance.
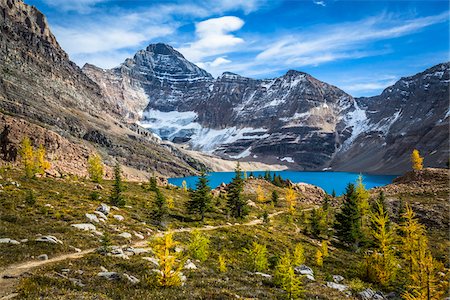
{"points": [[222, 264], [170, 271], [417, 160], [290, 200], [325, 248], [299, 255], [33, 161], [319, 258], [286, 278], [41, 163], [260, 194], [184, 186], [170, 203], [95, 168]]}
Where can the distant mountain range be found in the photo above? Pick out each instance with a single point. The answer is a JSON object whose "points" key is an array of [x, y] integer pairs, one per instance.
{"points": [[294, 119]]}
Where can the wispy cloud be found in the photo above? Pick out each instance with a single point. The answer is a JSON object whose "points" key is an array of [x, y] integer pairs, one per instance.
{"points": [[80, 6], [213, 37], [321, 3]]}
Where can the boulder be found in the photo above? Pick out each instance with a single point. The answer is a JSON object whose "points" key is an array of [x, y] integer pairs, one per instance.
{"points": [[9, 241], [305, 270], [85, 226], [125, 235], [105, 209], [139, 236], [337, 286], [43, 257], [109, 275], [153, 260], [369, 294], [119, 218], [49, 239], [92, 218], [338, 278], [189, 265], [100, 215], [268, 276], [131, 278]]}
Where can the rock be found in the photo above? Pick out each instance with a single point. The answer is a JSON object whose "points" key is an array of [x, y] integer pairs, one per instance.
{"points": [[139, 236], [337, 286], [131, 278], [109, 275], [105, 209], [268, 276], [43, 257], [98, 187], [153, 260], [49, 239], [125, 235], [189, 265], [24, 240], [85, 226], [178, 249], [103, 269], [338, 278], [77, 282], [119, 218], [100, 215], [183, 279], [136, 251], [75, 249], [9, 241], [118, 252], [92, 218], [305, 270], [65, 270]]}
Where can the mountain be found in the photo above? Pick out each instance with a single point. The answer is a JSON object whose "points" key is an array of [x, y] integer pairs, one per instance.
{"points": [[47, 97], [294, 119]]}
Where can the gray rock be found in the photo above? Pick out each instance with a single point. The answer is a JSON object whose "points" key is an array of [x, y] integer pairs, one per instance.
{"points": [[268, 276], [338, 278], [369, 294], [189, 265], [109, 275], [100, 215], [337, 286], [306, 271], [103, 269], [131, 278], [105, 209], [119, 217], [125, 235], [49, 239], [85, 226], [153, 260], [43, 257], [9, 241], [92, 218]]}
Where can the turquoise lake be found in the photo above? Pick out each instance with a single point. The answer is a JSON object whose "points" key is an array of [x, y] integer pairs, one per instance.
{"points": [[328, 181]]}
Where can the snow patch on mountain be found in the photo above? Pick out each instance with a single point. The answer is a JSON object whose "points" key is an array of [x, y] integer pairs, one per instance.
{"points": [[357, 121], [287, 159], [245, 153]]}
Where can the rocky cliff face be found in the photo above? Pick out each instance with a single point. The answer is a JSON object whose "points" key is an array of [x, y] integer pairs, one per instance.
{"points": [[39, 83], [294, 119]]}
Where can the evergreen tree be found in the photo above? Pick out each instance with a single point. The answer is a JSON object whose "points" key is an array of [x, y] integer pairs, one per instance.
{"points": [[274, 198], [200, 198], [333, 194], [236, 203], [348, 223], [277, 180], [95, 168], [152, 184], [116, 198], [251, 175], [362, 196], [159, 207], [416, 160]]}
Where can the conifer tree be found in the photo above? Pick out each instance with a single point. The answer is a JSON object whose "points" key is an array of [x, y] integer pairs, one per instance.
{"points": [[184, 186], [159, 207], [382, 264], [333, 194], [169, 270], [324, 247], [348, 224], [286, 278], [41, 163], [416, 160], [27, 157], [200, 198], [116, 198], [236, 203], [199, 246], [257, 256], [299, 255], [290, 200], [260, 194], [222, 264], [152, 184], [274, 198], [319, 258], [95, 168], [362, 196]]}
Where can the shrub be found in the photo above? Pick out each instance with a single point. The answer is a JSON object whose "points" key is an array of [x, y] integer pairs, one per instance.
{"points": [[199, 246], [30, 198], [257, 256]]}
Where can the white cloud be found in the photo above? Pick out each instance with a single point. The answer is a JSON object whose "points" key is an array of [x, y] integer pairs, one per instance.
{"points": [[216, 66], [321, 3], [213, 37]]}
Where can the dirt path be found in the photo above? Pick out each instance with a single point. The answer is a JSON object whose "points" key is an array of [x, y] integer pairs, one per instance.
{"points": [[11, 274]]}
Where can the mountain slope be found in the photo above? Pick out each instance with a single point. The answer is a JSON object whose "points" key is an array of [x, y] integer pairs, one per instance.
{"points": [[294, 119], [40, 84]]}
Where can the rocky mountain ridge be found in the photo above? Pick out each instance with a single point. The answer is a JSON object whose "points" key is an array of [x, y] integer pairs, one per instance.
{"points": [[294, 119], [41, 88]]}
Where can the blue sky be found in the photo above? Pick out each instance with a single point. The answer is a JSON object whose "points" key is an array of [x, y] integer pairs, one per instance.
{"points": [[359, 46]]}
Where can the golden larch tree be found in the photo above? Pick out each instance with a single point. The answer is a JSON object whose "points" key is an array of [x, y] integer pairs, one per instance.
{"points": [[260, 194], [95, 168], [27, 157], [416, 160], [169, 269], [290, 200]]}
